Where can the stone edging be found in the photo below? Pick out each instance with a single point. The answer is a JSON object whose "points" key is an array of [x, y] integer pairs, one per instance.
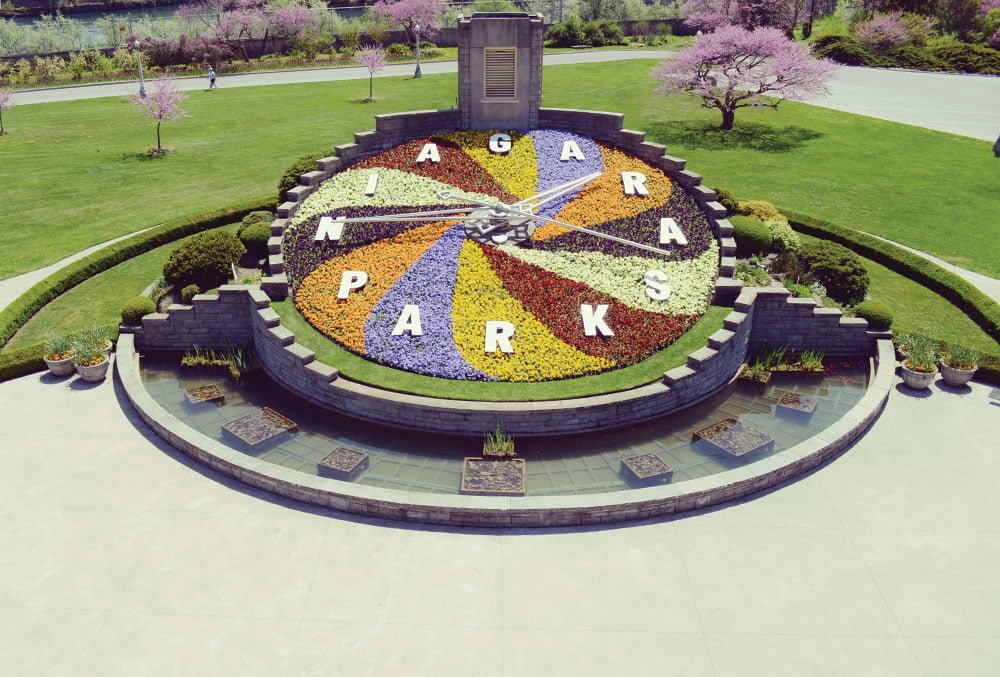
{"points": [[528, 511]]}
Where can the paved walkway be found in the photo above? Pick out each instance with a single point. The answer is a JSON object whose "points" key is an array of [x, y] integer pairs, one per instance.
{"points": [[118, 556], [968, 105]]}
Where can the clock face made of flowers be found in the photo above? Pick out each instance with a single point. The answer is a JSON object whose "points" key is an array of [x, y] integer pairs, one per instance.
{"points": [[501, 256]]}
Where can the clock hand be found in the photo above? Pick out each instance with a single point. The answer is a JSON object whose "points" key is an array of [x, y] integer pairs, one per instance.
{"points": [[588, 231], [556, 192]]}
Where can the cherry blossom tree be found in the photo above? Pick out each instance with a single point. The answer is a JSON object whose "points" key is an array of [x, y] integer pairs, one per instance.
{"points": [[735, 68], [372, 58], [162, 104], [410, 13], [6, 103]]}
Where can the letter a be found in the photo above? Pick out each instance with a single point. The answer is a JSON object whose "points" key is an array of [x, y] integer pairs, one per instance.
{"points": [[593, 320], [498, 335], [409, 321], [571, 151], [671, 234], [429, 152]]}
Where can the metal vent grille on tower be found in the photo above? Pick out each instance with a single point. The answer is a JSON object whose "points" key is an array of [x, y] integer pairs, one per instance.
{"points": [[501, 73]]}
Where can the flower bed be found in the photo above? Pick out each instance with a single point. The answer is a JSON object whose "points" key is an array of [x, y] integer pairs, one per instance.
{"points": [[539, 286]]}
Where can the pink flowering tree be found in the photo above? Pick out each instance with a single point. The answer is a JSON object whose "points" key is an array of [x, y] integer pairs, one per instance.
{"points": [[408, 14], [372, 58], [162, 104], [6, 103], [735, 68]]}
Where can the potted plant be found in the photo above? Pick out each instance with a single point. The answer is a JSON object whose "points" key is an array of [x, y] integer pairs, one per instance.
{"points": [[919, 367], [59, 356], [99, 337], [958, 365], [497, 445], [91, 361]]}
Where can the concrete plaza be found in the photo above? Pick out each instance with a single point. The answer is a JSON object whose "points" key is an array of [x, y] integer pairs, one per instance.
{"points": [[120, 556]]}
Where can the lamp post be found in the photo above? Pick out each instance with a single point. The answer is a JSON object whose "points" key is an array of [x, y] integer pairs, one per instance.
{"points": [[134, 44], [416, 30]]}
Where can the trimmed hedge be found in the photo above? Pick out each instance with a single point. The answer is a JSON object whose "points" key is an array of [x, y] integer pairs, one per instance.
{"points": [[878, 314], [14, 316], [983, 310], [303, 165], [135, 309], [751, 235]]}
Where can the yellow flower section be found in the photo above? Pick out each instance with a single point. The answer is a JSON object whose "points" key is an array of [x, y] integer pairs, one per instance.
{"points": [[344, 319], [517, 171], [538, 355], [604, 198]]}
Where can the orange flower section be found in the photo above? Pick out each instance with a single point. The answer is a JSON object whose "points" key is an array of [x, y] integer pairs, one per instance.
{"points": [[604, 198], [344, 319]]}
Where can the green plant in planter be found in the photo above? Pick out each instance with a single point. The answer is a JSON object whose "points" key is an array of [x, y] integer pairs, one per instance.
{"points": [[58, 348], [88, 355], [97, 336], [922, 359], [811, 360], [960, 357], [497, 444]]}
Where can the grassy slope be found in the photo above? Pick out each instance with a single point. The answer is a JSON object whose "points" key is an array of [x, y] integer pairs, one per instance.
{"points": [[72, 177], [360, 369], [97, 301]]}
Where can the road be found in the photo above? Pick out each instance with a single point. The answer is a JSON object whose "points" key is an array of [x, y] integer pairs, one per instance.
{"points": [[968, 105]]}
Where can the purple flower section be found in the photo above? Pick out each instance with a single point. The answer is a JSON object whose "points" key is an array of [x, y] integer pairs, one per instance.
{"points": [[429, 283], [553, 172], [645, 229], [302, 254]]}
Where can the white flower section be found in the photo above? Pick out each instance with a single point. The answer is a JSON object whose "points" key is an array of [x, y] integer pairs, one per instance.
{"points": [[395, 189], [691, 282]]}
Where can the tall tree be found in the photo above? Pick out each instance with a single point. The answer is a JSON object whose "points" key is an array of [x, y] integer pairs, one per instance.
{"points": [[6, 103], [408, 14], [161, 104], [735, 68]]}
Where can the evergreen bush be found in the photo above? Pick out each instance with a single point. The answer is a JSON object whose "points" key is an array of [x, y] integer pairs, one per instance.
{"points": [[205, 260], [837, 268]]}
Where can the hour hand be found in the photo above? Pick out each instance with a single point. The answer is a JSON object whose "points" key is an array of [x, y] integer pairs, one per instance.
{"points": [[546, 196]]}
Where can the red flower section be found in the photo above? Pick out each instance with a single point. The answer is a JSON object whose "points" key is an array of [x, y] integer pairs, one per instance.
{"points": [[556, 302], [456, 168]]}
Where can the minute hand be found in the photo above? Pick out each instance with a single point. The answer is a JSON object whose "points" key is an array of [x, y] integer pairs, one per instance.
{"points": [[613, 238]]}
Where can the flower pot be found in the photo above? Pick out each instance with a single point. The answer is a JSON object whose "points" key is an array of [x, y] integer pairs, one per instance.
{"points": [[917, 380], [62, 367], [94, 372], [956, 377]]}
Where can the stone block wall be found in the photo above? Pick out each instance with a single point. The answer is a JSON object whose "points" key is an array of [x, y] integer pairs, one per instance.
{"points": [[242, 316]]}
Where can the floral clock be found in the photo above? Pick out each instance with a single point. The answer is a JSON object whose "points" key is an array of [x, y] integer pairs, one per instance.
{"points": [[501, 256]]}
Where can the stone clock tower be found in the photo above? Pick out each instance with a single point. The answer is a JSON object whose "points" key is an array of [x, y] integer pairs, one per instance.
{"points": [[500, 70]]}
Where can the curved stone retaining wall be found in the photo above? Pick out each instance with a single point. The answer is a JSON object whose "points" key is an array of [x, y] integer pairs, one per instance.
{"points": [[242, 316], [525, 511]]}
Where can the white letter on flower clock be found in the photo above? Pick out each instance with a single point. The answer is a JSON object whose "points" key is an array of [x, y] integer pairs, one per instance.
{"points": [[372, 183], [429, 152], [498, 335], [329, 229], [634, 183], [409, 321], [500, 144], [351, 279], [571, 151], [670, 233], [656, 285], [593, 320]]}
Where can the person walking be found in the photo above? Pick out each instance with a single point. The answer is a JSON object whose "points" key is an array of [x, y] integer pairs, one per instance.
{"points": [[996, 148], [211, 78]]}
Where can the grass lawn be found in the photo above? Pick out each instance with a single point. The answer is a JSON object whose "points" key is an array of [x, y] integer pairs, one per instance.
{"points": [[359, 369], [97, 301], [74, 173]]}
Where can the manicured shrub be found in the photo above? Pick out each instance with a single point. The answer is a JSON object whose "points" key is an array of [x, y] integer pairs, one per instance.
{"points": [[567, 34], [252, 218], [204, 260], [398, 49], [917, 58], [761, 210], [844, 50], [878, 314], [727, 200], [290, 178], [965, 58], [602, 33], [255, 237], [782, 236], [134, 309], [751, 235], [837, 268], [189, 292]]}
